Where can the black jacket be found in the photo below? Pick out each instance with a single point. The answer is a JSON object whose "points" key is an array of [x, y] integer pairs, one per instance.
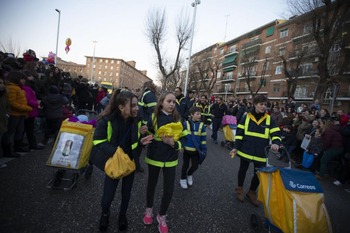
{"points": [[218, 110], [119, 129], [159, 153]]}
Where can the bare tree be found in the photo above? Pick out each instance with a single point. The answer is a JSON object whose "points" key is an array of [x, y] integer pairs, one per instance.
{"points": [[250, 72], [328, 18], [156, 33], [11, 47], [203, 74]]}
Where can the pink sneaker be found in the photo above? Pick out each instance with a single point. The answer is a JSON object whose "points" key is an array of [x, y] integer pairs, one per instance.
{"points": [[148, 217], [162, 227]]}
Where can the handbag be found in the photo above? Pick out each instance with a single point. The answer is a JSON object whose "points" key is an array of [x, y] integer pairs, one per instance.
{"points": [[305, 143], [202, 155], [119, 165], [308, 160]]}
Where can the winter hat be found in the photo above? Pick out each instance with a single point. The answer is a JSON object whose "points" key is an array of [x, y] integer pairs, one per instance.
{"points": [[30, 55], [53, 89], [83, 118]]}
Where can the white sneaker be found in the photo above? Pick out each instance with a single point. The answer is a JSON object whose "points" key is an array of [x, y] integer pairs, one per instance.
{"points": [[190, 180], [183, 184], [337, 183]]}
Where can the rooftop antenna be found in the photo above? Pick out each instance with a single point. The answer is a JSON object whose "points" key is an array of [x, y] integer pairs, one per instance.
{"points": [[226, 26]]}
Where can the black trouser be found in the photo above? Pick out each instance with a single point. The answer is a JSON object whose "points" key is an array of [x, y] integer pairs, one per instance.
{"points": [[168, 186], [109, 189], [52, 127], [187, 156], [14, 134], [216, 127], [29, 130], [243, 167]]}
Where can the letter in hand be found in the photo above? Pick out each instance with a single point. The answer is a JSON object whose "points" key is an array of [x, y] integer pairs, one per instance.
{"points": [[233, 153], [275, 147], [146, 140]]}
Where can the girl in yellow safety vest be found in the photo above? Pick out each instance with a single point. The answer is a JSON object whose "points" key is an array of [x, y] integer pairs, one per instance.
{"points": [[162, 155]]}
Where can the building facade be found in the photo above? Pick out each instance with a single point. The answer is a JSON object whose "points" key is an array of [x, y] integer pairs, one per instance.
{"points": [[116, 71], [269, 59]]}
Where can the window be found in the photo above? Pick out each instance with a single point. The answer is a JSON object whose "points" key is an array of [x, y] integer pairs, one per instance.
{"points": [[233, 48], [307, 28], [266, 65], [106, 67], [300, 92], [279, 69], [106, 61], [221, 51], [268, 49], [284, 33], [306, 68], [229, 75], [112, 62], [218, 75], [282, 51], [276, 88], [269, 31]]}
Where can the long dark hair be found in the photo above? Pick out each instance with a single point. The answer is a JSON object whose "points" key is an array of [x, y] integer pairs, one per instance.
{"points": [[119, 97], [158, 108]]}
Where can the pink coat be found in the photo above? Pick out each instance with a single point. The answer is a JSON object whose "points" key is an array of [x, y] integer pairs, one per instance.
{"points": [[31, 101]]}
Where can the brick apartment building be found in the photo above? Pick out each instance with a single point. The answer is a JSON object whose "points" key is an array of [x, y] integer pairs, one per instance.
{"points": [[102, 69], [259, 56]]}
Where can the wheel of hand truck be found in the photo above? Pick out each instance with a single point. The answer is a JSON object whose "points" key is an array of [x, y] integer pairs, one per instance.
{"points": [[255, 222], [74, 179], [222, 143], [57, 178], [88, 171]]}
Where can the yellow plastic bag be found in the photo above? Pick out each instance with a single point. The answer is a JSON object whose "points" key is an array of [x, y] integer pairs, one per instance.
{"points": [[171, 130], [119, 165]]}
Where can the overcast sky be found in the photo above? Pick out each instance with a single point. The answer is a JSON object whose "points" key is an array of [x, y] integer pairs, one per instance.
{"points": [[33, 24]]}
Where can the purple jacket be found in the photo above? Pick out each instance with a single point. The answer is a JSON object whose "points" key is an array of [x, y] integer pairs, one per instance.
{"points": [[31, 101]]}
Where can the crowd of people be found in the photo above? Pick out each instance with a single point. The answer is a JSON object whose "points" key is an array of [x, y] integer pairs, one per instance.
{"points": [[36, 96], [32, 92]]}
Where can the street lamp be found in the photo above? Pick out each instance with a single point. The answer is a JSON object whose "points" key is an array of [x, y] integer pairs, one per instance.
{"points": [[93, 61], [194, 4], [58, 33]]}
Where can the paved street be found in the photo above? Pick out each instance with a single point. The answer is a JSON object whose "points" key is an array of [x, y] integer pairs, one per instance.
{"points": [[27, 205]]}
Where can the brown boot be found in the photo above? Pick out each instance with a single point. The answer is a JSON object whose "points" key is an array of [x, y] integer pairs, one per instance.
{"points": [[252, 198], [239, 194]]}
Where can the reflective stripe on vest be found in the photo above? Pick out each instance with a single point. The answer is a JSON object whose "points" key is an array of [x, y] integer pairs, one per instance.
{"points": [[109, 135], [199, 132], [161, 164], [143, 104], [179, 101], [251, 157], [254, 134]]}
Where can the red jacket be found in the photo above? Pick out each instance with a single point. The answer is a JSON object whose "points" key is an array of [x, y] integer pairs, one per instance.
{"points": [[101, 94], [332, 138]]}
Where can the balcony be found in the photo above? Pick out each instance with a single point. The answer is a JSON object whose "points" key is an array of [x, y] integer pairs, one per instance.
{"points": [[227, 79], [310, 72], [242, 90], [230, 52], [253, 43]]}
